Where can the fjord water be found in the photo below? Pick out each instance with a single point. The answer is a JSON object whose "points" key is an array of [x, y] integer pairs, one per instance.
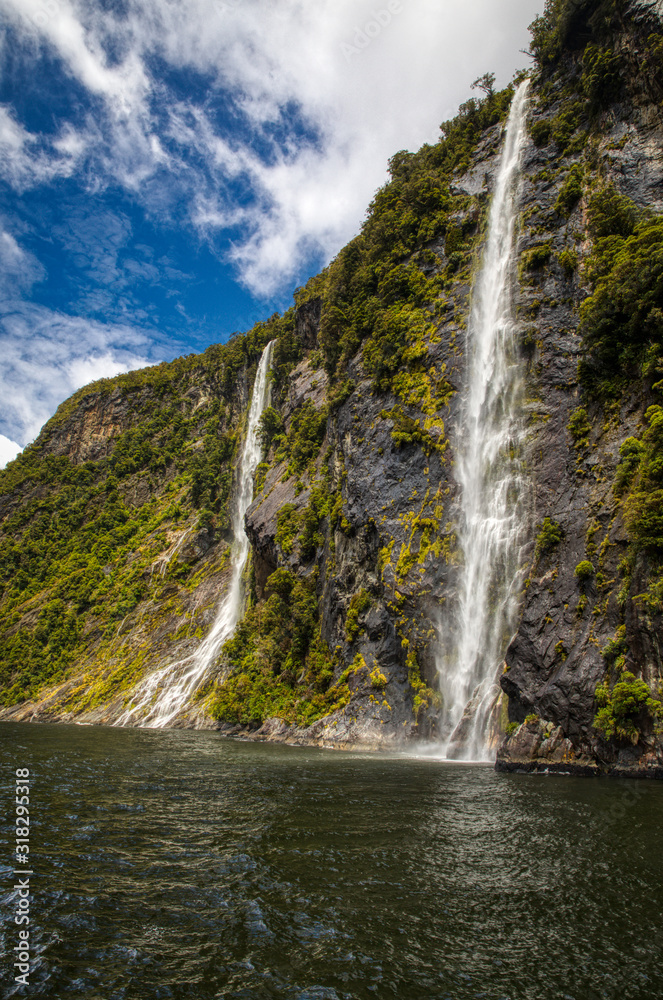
{"points": [[179, 864], [488, 470], [165, 692]]}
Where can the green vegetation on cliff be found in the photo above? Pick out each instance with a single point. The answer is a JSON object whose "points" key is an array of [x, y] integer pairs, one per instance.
{"points": [[622, 319], [588, 29], [130, 468], [280, 665], [76, 550], [639, 486], [625, 708], [600, 63], [384, 287]]}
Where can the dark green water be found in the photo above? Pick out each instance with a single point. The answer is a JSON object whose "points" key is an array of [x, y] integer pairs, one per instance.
{"points": [[180, 864]]}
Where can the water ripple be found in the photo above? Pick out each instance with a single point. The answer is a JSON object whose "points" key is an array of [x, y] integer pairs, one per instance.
{"points": [[182, 865]]}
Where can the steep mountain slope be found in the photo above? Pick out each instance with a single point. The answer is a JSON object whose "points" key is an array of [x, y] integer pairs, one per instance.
{"points": [[591, 287], [115, 522]]}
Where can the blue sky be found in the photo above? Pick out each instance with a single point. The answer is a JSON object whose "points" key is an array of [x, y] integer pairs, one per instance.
{"points": [[170, 170]]}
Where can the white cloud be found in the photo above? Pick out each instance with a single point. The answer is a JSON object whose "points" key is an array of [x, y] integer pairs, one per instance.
{"points": [[364, 84], [47, 355], [8, 450], [26, 160], [81, 371], [78, 32], [325, 93], [70, 144], [19, 269]]}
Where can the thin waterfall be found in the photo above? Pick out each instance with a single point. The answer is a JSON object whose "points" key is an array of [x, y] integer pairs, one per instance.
{"points": [[488, 471], [164, 693]]}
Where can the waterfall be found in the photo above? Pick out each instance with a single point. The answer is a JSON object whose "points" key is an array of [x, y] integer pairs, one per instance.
{"points": [[488, 471], [164, 693]]}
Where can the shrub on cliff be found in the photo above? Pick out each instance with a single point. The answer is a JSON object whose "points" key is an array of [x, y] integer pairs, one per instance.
{"points": [[610, 213], [271, 424], [630, 455], [568, 260], [361, 602], [580, 427], [568, 25], [287, 527], [280, 666], [625, 709], [534, 259], [319, 507], [550, 534], [302, 443], [584, 571], [621, 322], [570, 193], [602, 75], [642, 467]]}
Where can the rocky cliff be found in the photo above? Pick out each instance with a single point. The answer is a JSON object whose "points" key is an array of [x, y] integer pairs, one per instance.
{"points": [[115, 527]]}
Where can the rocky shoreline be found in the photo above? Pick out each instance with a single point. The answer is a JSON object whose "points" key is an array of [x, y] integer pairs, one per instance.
{"points": [[534, 748], [542, 747]]}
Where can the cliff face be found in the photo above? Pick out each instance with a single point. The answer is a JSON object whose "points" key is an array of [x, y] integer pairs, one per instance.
{"points": [[355, 561], [575, 626], [108, 565]]}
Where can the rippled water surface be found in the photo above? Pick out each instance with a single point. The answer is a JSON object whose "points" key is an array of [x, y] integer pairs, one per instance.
{"points": [[180, 864]]}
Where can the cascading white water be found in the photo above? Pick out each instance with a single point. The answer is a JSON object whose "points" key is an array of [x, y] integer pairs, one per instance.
{"points": [[489, 474], [164, 693]]}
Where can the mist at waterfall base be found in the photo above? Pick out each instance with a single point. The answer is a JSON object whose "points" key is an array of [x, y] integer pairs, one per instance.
{"points": [[178, 864], [167, 692], [492, 486]]}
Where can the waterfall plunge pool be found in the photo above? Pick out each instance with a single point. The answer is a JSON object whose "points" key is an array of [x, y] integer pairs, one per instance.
{"points": [[181, 864]]}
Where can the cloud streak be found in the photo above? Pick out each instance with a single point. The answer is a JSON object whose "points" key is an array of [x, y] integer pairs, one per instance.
{"points": [[27, 160]]}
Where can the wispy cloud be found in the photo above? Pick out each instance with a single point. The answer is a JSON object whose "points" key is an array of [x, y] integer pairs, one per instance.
{"points": [[46, 354], [243, 122], [27, 160], [19, 269], [268, 64]]}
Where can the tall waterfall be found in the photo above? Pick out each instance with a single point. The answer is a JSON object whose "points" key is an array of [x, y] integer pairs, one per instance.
{"points": [[164, 693], [489, 474]]}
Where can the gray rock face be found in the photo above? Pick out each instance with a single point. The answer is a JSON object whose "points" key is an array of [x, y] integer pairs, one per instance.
{"points": [[554, 661], [305, 384], [393, 539], [542, 746], [95, 430]]}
